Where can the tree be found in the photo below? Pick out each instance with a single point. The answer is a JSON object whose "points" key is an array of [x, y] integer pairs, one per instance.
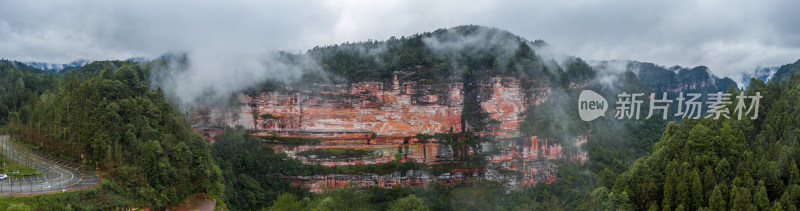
{"points": [[621, 200], [653, 207], [709, 181], [607, 178], [601, 198], [669, 196], [761, 200], [286, 202], [682, 189], [697, 190], [794, 174], [18, 207], [716, 202], [777, 206], [723, 170], [408, 203], [740, 198]]}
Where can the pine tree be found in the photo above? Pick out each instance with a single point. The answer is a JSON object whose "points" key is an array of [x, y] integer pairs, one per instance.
{"points": [[761, 200], [794, 175], [286, 201], [716, 202], [607, 178], [669, 186], [411, 203], [777, 206], [682, 190], [653, 207], [740, 199], [723, 170], [709, 181], [697, 191]]}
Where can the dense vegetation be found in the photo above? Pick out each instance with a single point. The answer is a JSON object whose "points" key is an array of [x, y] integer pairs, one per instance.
{"points": [[253, 172], [18, 88], [107, 196], [786, 71], [105, 115], [725, 164]]}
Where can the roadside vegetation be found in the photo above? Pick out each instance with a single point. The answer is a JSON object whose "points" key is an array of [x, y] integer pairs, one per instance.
{"points": [[12, 168]]}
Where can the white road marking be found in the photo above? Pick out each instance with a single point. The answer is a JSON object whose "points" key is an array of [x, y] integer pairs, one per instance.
{"points": [[49, 167]]}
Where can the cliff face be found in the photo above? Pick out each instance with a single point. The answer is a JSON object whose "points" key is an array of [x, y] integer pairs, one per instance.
{"points": [[361, 107], [345, 116], [356, 110], [505, 102]]}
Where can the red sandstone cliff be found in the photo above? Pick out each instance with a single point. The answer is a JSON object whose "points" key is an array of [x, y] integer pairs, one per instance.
{"points": [[355, 110]]}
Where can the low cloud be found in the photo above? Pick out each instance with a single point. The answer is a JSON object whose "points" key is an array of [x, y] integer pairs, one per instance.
{"points": [[730, 37], [211, 78]]}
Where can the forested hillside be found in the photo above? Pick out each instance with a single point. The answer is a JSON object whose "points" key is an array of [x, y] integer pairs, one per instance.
{"points": [[785, 72], [106, 115], [18, 88], [724, 164]]}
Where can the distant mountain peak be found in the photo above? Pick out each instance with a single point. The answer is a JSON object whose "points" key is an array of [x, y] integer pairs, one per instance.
{"points": [[55, 67]]}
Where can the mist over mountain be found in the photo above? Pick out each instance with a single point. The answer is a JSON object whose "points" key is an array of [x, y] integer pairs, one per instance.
{"points": [[442, 54], [51, 67], [763, 73], [786, 71], [59, 68]]}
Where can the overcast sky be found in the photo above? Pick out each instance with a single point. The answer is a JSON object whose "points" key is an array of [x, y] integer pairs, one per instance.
{"points": [[728, 36]]}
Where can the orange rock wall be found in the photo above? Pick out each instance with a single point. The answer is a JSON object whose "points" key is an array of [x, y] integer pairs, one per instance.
{"points": [[386, 112], [353, 111], [504, 105], [402, 109]]}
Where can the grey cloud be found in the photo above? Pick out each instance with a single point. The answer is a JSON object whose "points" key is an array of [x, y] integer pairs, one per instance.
{"points": [[730, 37], [208, 78]]}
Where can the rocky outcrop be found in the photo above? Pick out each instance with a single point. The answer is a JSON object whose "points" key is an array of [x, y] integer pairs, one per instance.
{"points": [[383, 119], [361, 107], [504, 105], [356, 110]]}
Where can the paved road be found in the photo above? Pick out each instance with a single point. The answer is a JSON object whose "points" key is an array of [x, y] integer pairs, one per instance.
{"points": [[57, 174]]}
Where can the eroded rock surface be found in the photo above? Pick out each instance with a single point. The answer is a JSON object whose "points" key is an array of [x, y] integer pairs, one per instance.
{"points": [[351, 111], [348, 116]]}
